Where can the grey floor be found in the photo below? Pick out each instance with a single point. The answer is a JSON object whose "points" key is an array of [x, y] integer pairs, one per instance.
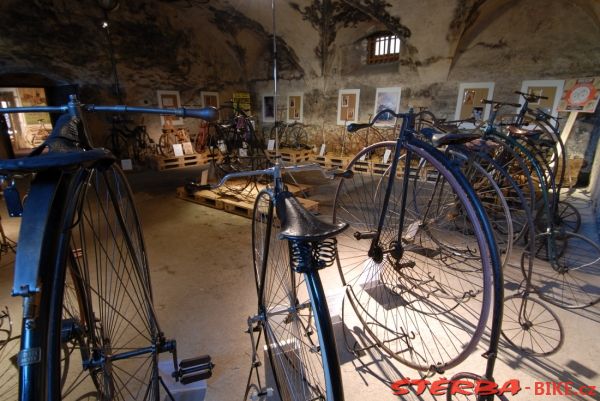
{"points": [[201, 267]]}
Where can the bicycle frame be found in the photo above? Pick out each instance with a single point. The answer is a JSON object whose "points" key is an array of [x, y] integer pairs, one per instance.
{"points": [[405, 136], [39, 218]]}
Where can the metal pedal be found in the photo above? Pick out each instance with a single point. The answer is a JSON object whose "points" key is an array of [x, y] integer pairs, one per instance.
{"points": [[194, 369]]}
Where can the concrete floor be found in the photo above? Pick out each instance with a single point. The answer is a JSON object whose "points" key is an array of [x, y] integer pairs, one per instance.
{"points": [[202, 276]]}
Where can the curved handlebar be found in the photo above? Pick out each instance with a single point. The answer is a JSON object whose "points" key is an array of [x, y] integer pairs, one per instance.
{"points": [[531, 96], [499, 104], [356, 126], [205, 113]]}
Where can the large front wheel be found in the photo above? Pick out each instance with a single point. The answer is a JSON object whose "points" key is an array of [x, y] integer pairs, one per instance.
{"points": [[292, 316], [103, 337], [422, 295]]}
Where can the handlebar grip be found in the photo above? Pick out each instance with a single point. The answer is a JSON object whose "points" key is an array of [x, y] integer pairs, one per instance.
{"points": [[486, 101], [355, 127], [205, 113]]}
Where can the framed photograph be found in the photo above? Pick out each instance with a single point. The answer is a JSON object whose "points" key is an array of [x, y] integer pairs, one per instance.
{"points": [[468, 102], [387, 98], [268, 108], [552, 89], [169, 100], [210, 99], [348, 100], [295, 110]]}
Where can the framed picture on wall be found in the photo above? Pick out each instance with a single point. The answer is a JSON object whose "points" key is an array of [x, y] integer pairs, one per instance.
{"points": [[468, 102], [169, 100], [387, 98], [268, 108], [295, 110], [348, 106], [210, 99], [552, 89]]}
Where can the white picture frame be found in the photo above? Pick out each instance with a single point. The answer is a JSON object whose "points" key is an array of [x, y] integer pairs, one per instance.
{"points": [[348, 102], [295, 107], [210, 99], [556, 86], [268, 108], [169, 99], [476, 90], [387, 98]]}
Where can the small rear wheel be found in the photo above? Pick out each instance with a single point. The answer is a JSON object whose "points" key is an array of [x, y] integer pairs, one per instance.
{"points": [[568, 280], [530, 326]]}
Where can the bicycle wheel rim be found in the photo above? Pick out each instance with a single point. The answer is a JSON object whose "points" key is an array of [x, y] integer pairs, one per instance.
{"points": [[394, 316], [569, 279], [290, 332], [102, 297], [534, 328]]}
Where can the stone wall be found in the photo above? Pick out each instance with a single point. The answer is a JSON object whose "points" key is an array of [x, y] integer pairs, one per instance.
{"points": [[226, 46]]}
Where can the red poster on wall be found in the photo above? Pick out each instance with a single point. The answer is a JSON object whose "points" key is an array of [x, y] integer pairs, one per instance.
{"points": [[580, 94]]}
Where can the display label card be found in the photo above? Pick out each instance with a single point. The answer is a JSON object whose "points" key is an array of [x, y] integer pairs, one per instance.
{"points": [[178, 149], [322, 151], [204, 177], [271, 144], [188, 149], [386, 155], [126, 164]]}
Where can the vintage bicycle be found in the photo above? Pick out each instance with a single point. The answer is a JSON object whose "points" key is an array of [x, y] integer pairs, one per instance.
{"points": [[88, 327]]}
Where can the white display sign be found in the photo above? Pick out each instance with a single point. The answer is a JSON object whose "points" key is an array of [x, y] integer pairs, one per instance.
{"points": [[363, 157], [386, 155], [178, 149], [126, 164]]}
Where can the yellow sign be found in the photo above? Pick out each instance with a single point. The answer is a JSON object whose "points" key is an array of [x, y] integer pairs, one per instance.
{"points": [[242, 100]]}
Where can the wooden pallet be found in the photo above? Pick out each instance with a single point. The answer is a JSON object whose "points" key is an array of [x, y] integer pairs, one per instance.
{"points": [[331, 161], [290, 155], [161, 163], [232, 204]]}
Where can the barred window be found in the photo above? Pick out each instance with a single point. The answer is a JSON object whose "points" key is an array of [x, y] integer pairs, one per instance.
{"points": [[383, 48]]}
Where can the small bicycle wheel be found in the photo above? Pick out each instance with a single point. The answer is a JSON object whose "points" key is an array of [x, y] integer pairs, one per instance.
{"points": [[103, 336], [165, 145], [289, 323], [530, 326], [566, 219], [300, 137], [429, 307], [569, 280]]}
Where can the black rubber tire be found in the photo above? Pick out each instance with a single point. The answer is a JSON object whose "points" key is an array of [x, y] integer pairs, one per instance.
{"points": [[410, 312], [100, 286]]}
